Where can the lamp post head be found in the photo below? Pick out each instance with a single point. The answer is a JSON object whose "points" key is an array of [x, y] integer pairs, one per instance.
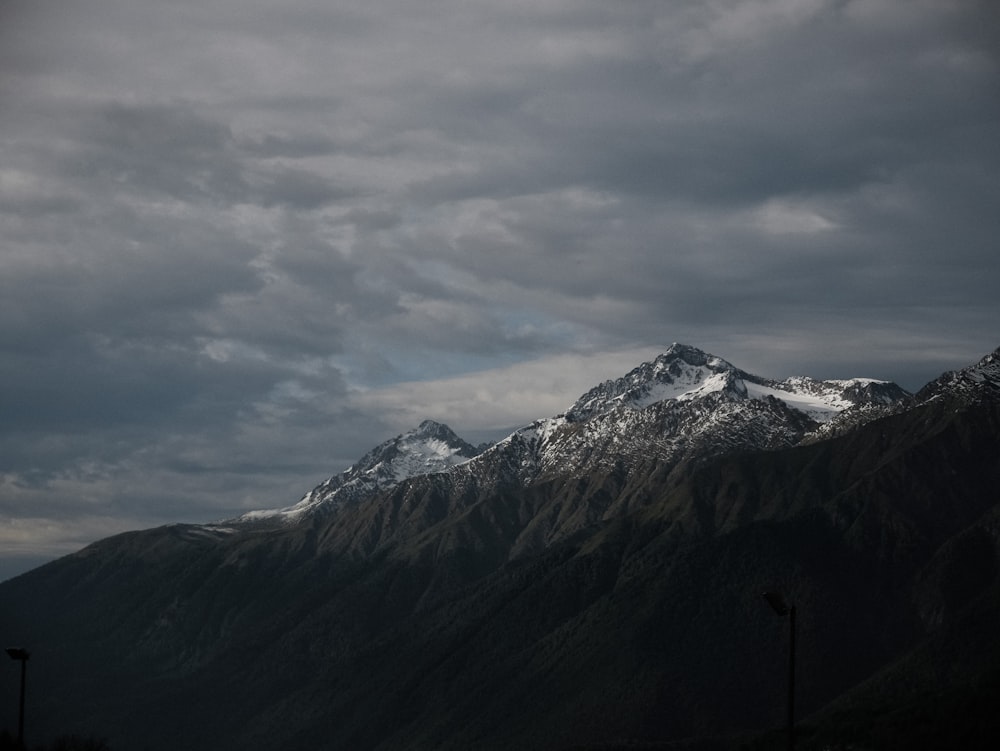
{"points": [[18, 653], [777, 603]]}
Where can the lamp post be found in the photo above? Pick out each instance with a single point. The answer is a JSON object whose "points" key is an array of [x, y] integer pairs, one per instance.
{"points": [[782, 608], [21, 654]]}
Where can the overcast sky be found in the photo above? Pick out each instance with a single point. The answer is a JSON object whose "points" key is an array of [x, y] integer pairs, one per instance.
{"points": [[244, 241]]}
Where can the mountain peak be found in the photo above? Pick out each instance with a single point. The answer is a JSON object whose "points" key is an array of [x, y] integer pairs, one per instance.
{"points": [[684, 373], [686, 352], [989, 367], [430, 447], [681, 372], [433, 429]]}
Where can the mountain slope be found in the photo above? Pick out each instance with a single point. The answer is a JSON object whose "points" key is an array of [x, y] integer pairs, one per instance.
{"points": [[504, 605]]}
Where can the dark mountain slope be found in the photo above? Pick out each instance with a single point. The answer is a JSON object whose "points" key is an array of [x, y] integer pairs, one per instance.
{"points": [[943, 693]]}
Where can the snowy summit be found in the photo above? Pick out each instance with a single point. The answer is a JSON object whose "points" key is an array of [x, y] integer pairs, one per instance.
{"points": [[431, 447]]}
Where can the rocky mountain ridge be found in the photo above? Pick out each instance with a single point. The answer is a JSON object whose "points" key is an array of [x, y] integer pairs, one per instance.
{"points": [[684, 405], [974, 381]]}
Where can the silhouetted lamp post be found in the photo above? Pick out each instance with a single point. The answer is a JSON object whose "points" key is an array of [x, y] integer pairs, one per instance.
{"points": [[19, 653], [782, 608]]}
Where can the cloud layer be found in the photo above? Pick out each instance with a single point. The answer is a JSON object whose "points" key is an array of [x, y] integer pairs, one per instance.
{"points": [[243, 242]]}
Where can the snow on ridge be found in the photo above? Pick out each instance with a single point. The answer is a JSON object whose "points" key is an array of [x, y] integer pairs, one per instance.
{"points": [[289, 513], [422, 451], [821, 406], [539, 430], [682, 372], [424, 457], [819, 400], [697, 382]]}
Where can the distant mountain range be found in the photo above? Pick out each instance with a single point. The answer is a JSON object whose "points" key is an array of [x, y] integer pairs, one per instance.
{"points": [[591, 581]]}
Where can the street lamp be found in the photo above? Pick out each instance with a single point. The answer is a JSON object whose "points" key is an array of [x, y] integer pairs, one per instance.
{"points": [[19, 653], [782, 608]]}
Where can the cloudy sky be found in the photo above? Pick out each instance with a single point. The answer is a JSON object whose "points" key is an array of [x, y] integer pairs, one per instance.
{"points": [[243, 241]]}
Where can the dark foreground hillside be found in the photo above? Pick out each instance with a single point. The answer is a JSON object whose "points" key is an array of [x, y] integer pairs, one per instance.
{"points": [[639, 632]]}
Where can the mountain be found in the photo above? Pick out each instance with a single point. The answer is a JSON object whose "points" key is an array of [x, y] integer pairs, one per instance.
{"points": [[685, 407], [591, 581], [429, 448]]}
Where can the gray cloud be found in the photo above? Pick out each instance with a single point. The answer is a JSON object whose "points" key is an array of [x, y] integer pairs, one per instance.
{"points": [[242, 243]]}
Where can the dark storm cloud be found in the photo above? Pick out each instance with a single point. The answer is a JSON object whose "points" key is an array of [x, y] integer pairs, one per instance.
{"points": [[244, 242]]}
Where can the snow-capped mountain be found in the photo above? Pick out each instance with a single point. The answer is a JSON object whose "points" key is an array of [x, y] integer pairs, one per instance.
{"points": [[429, 448], [686, 405], [684, 373]]}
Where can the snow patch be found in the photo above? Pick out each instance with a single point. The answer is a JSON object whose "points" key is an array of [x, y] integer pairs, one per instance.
{"points": [[423, 457], [691, 384], [822, 405]]}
